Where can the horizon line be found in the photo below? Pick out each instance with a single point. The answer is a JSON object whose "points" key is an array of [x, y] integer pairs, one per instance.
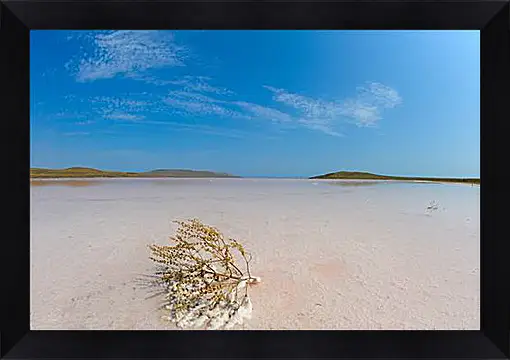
{"points": [[261, 176]]}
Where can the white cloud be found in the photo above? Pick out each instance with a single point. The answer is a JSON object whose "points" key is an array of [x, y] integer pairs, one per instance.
{"points": [[198, 104], [124, 116], [364, 109], [186, 83], [115, 102], [202, 108], [132, 54], [122, 108], [259, 111], [371, 100], [127, 52], [379, 95], [119, 108], [314, 114], [359, 113], [308, 107], [149, 79], [319, 125], [195, 97], [76, 133], [199, 84]]}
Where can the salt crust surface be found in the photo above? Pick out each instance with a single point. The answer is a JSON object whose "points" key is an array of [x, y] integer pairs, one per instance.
{"points": [[332, 255]]}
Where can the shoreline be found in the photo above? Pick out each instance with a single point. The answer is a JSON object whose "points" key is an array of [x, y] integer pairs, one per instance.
{"points": [[97, 178]]}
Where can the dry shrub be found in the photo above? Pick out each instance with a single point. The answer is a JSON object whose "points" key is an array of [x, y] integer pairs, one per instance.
{"points": [[206, 288]]}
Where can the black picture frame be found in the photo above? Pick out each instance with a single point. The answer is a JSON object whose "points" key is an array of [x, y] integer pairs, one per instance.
{"points": [[17, 18]]}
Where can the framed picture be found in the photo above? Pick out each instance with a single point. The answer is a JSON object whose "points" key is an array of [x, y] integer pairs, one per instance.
{"points": [[255, 179]]}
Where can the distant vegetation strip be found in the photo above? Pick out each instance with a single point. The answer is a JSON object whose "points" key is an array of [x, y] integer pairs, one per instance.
{"points": [[353, 175], [82, 172]]}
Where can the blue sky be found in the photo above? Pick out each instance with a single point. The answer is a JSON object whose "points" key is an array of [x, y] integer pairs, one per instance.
{"points": [[257, 103]]}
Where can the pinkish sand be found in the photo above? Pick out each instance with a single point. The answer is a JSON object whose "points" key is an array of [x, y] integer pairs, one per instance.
{"points": [[330, 256]]}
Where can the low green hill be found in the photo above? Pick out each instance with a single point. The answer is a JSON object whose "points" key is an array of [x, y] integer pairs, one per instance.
{"points": [[84, 172], [76, 172], [356, 175]]}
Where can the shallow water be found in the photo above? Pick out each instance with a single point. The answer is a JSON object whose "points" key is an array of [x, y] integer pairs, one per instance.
{"points": [[331, 254]]}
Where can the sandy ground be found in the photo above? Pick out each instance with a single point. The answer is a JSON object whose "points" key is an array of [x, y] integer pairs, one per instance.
{"points": [[332, 255]]}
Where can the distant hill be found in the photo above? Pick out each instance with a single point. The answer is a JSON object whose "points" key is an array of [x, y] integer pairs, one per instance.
{"points": [[84, 172], [76, 172], [351, 175], [356, 175], [184, 173]]}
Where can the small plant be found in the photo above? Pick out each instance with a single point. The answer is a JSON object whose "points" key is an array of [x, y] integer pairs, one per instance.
{"points": [[205, 287], [433, 206]]}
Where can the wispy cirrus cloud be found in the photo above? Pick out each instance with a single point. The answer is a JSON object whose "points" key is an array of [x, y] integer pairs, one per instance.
{"points": [[319, 125], [133, 54], [119, 108], [194, 96], [379, 94], [364, 109], [290, 110], [124, 116], [188, 83], [200, 84], [314, 114], [126, 52], [76, 133], [199, 104], [371, 100], [190, 98], [113, 102], [264, 112]]}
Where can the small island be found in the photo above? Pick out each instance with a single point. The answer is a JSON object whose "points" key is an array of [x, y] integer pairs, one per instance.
{"points": [[356, 175], [85, 172]]}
